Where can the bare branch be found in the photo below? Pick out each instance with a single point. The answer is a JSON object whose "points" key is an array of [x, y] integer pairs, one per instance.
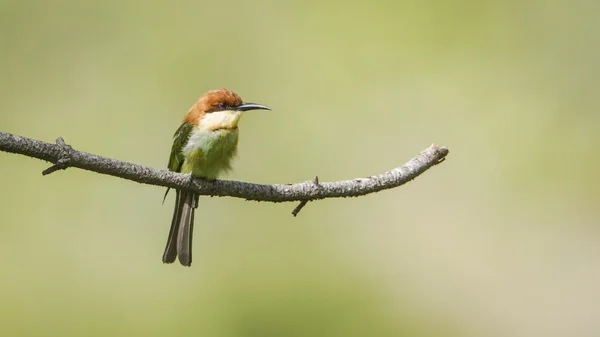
{"points": [[64, 156]]}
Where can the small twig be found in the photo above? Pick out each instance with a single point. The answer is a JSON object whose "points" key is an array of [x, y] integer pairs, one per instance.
{"points": [[299, 207]]}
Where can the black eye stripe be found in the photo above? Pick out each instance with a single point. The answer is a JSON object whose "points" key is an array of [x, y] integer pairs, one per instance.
{"points": [[219, 107]]}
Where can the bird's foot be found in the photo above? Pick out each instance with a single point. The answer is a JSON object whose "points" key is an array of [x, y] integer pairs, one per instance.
{"points": [[212, 182], [190, 180]]}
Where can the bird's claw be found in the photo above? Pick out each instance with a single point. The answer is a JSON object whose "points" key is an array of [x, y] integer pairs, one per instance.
{"points": [[213, 187]]}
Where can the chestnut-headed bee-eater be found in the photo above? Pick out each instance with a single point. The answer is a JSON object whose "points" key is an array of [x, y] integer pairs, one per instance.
{"points": [[203, 146]]}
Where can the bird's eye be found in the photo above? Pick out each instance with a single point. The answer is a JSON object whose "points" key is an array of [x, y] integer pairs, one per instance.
{"points": [[222, 105]]}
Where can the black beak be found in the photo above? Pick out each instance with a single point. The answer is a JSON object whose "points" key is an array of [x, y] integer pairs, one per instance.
{"points": [[251, 106]]}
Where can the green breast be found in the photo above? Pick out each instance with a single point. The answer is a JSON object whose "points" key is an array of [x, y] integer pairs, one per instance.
{"points": [[209, 153]]}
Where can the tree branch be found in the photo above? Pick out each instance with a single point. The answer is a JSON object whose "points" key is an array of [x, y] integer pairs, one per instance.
{"points": [[64, 156]]}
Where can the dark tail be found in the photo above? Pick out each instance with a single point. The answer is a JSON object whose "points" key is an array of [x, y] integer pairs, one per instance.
{"points": [[182, 226]]}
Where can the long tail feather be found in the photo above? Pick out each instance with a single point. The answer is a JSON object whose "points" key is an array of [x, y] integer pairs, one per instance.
{"points": [[186, 227], [170, 253]]}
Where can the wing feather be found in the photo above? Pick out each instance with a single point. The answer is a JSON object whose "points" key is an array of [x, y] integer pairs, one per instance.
{"points": [[180, 139]]}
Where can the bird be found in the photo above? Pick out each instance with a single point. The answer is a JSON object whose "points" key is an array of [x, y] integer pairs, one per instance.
{"points": [[203, 146]]}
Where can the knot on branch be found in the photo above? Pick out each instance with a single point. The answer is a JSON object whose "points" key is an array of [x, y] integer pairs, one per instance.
{"points": [[63, 159], [303, 203]]}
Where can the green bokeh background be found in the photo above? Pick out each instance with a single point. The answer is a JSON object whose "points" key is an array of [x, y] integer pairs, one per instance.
{"points": [[500, 240]]}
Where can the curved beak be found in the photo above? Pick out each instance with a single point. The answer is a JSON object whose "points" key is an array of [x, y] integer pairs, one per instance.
{"points": [[251, 106]]}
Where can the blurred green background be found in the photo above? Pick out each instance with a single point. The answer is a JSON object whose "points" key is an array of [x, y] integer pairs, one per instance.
{"points": [[500, 240]]}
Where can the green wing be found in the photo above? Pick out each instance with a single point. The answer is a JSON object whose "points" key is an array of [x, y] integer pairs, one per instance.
{"points": [[180, 139]]}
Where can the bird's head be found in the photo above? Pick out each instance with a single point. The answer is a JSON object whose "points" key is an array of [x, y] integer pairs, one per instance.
{"points": [[219, 109]]}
